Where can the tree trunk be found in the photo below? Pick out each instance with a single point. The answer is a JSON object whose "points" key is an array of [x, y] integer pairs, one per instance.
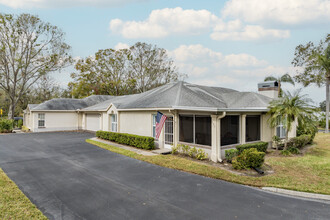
{"points": [[286, 139], [327, 106], [11, 112]]}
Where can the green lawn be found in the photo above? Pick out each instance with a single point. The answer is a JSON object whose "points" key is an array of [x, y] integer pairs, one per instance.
{"points": [[308, 173], [13, 203]]}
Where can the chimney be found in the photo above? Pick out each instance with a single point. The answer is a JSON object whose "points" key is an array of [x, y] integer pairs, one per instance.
{"points": [[269, 89]]}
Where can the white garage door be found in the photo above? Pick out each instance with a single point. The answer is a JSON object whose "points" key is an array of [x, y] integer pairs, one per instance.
{"points": [[93, 122]]}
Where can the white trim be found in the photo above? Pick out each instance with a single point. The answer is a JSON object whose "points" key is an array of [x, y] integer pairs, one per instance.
{"points": [[188, 108]]}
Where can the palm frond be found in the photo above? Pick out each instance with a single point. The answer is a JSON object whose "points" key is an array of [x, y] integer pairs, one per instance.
{"points": [[270, 78], [287, 78]]}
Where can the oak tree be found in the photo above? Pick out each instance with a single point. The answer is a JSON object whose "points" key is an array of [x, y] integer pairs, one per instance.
{"points": [[29, 49], [314, 63]]}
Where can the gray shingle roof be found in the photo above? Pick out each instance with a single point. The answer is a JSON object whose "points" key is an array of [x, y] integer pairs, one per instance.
{"points": [[179, 95], [32, 106], [71, 104], [182, 95]]}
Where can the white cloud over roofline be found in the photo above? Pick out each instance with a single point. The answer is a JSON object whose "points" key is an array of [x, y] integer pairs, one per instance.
{"points": [[238, 71]]}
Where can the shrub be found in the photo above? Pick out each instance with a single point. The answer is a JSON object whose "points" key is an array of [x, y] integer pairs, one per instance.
{"points": [[185, 149], [300, 142], [260, 146], [237, 165], [294, 150], [201, 155], [20, 123], [6, 125], [142, 142], [175, 149], [230, 154], [285, 153], [25, 129], [192, 152], [249, 158], [310, 129]]}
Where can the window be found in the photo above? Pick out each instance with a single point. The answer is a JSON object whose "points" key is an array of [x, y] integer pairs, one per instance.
{"points": [[41, 120], [203, 130], [114, 123], [195, 129], [186, 128], [230, 130], [252, 131], [280, 130], [154, 126]]}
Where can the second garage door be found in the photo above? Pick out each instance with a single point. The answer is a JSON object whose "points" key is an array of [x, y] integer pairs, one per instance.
{"points": [[93, 122]]}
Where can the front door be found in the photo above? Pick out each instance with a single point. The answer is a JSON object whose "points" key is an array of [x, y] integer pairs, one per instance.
{"points": [[168, 132]]}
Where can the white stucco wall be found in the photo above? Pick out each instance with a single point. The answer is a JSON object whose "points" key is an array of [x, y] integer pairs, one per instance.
{"points": [[56, 121], [139, 123]]}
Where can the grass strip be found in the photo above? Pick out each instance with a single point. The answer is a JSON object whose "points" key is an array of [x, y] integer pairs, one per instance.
{"points": [[308, 173], [13, 203]]}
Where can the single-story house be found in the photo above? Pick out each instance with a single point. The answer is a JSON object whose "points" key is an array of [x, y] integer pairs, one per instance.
{"points": [[210, 118]]}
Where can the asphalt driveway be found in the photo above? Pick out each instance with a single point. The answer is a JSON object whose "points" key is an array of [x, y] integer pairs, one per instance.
{"points": [[70, 179]]}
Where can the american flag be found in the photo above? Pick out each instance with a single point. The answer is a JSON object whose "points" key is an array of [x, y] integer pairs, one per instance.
{"points": [[160, 120]]}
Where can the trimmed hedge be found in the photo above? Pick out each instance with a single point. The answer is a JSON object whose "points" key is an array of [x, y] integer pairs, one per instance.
{"points": [[230, 154], [143, 142], [248, 159], [260, 146]]}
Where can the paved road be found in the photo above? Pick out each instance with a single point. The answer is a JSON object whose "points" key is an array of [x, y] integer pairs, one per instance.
{"points": [[70, 179]]}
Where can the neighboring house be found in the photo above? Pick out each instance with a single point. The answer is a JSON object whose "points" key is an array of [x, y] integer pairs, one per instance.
{"points": [[211, 118]]}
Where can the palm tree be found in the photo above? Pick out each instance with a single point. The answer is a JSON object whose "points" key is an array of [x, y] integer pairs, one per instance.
{"points": [[285, 78], [288, 109]]}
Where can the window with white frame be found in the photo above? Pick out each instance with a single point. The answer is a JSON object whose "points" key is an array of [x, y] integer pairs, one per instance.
{"points": [[154, 126], [41, 120], [114, 123], [280, 129]]}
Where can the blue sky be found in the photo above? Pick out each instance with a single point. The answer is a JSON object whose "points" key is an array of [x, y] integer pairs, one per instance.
{"points": [[233, 43]]}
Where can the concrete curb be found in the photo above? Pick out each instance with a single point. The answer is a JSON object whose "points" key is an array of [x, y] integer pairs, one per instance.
{"points": [[297, 193]]}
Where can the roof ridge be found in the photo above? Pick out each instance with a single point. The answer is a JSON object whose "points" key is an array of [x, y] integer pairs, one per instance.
{"points": [[258, 97], [177, 99], [209, 94]]}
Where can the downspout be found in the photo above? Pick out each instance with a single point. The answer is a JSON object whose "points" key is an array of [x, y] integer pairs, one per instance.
{"points": [[219, 153]]}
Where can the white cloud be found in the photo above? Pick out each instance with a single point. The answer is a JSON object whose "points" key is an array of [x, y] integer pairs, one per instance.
{"points": [[195, 52], [205, 56], [243, 60], [177, 21], [164, 22], [288, 12], [121, 46], [66, 3], [208, 67], [248, 33]]}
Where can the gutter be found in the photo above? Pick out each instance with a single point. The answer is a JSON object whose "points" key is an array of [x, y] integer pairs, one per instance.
{"points": [[37, 110], [190, 108]]}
